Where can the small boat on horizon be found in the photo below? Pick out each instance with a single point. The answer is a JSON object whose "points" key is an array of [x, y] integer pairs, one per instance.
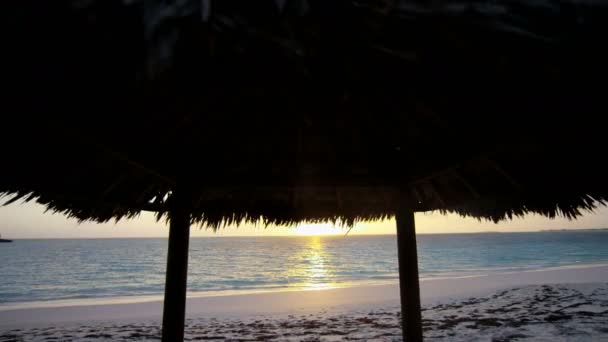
{"points": [[4, 240]]}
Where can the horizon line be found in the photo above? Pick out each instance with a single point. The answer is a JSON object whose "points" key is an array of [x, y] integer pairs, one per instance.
{"points": [[321, 235]]}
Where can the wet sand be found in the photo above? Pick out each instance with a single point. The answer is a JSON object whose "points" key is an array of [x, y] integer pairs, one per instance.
{"points": [[571, 304]]}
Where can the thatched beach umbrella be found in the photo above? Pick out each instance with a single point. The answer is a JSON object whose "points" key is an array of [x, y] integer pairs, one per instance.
{"points": [[224, 112]]}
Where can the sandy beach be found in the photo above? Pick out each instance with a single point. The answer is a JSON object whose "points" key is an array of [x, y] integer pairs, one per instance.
{"points": [[552, 304]]}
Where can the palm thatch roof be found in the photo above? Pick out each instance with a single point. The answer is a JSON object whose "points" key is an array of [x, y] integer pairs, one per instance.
{"points": [[297, 110]]}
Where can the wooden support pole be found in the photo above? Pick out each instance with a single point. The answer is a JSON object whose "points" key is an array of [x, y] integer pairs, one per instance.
{"points": [[174, 309], [409, 287]]}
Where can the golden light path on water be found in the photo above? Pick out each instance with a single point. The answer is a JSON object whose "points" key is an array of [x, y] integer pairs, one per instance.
{"points": [[313, 272]]}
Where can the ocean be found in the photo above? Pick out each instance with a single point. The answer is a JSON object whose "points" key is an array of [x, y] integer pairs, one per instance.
{"points": [[72, 270]]}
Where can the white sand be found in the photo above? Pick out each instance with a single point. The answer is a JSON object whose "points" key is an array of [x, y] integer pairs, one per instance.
{"points": [[375, 307]]}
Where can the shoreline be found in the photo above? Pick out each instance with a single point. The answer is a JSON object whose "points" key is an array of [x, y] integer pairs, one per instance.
{"points": [[110, 300], [298, 302]]}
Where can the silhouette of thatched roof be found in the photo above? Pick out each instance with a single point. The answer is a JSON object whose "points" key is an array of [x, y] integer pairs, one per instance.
{"points": [[304, 110]]}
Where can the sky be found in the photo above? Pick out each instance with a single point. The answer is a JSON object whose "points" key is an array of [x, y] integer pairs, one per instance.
{"points": [[20, 221]]}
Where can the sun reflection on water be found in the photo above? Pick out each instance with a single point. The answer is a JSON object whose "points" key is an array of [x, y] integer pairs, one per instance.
{"points": [[311, 271]]}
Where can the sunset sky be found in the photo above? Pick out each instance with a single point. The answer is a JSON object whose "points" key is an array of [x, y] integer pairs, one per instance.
{"points": [[29, 221]]}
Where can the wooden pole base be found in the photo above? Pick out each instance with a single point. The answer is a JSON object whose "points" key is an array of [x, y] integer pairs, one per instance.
{"points": [[408, 276], [174, 309]]}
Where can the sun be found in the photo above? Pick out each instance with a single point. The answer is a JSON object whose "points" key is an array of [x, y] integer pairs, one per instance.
{"points": [[316, 229]]}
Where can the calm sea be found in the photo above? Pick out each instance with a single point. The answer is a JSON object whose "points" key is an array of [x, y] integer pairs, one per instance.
{"points": [[48, 270]]}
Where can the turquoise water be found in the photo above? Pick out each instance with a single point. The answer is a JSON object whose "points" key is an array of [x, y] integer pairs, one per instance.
{"points": [[46, 270]]}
